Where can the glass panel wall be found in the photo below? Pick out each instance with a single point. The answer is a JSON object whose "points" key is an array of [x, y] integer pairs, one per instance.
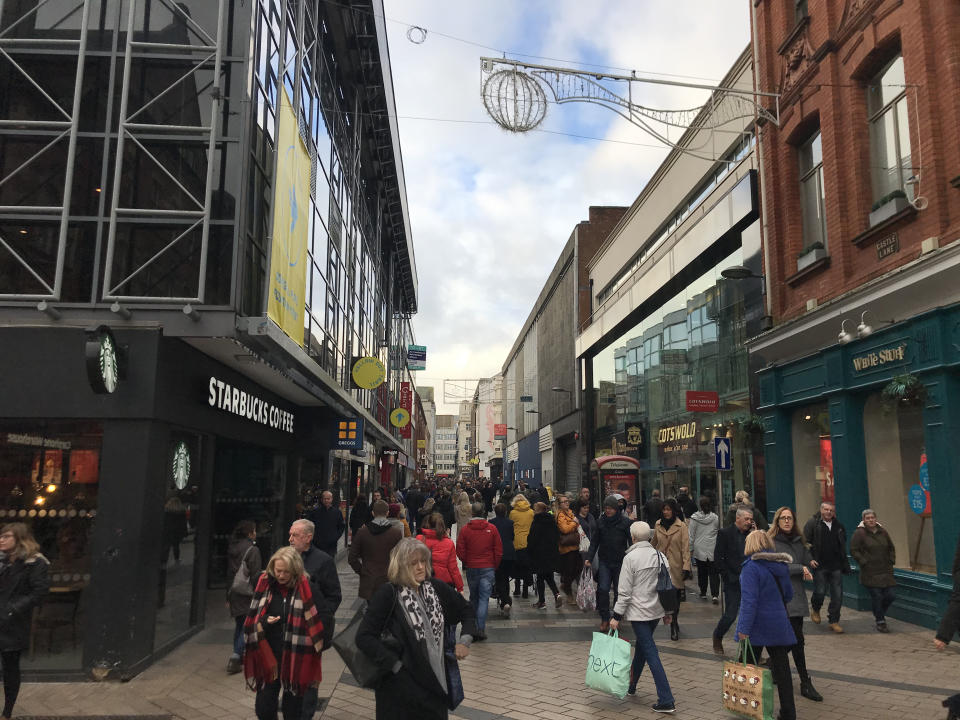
{"points": [[693, 342], [49, 480], [898, 480]]}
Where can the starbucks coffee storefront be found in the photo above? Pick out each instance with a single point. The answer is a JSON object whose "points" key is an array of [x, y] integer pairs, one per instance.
{"points": [[874, 423], [133, 476]]}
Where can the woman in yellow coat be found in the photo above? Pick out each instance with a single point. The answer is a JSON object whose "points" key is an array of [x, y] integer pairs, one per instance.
{"points": [[672, 538], [522, 518], [570, 561]]}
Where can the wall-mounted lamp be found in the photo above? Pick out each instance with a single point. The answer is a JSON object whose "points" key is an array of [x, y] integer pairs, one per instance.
{"points": [[845, 336], [191, 312], [739, 272], [535, 412], [559, 389], [120, 310], [863, 329], [48, 310]]}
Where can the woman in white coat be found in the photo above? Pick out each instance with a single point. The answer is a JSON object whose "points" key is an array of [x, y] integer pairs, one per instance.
{"points": [[638, 603], [704, 526]]}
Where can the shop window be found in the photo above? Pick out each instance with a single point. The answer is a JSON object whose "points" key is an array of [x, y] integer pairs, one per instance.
{"points": [[890, 158], [898, 481], [49, 480], [812, 194], [812, 460]]}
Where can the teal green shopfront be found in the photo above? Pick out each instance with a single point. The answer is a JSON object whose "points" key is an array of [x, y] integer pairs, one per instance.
{"points": [[875, 423]]}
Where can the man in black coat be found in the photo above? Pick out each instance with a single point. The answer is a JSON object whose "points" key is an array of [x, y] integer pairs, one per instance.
{"points": [[828, 545], [651, 511], [586, 499], [609, 545], [325, 588], [686, 503], [728, 558], [951, 618], [328, 524], [414, 501]]}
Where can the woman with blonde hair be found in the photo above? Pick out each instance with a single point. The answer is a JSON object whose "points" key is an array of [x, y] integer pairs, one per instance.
{"points": [[420, 614], [765, 591], [463, 510], [788, 539], [284, 637], [23, 585]]}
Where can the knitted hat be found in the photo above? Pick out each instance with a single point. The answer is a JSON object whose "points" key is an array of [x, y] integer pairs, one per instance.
{"points": [[610, 501]]}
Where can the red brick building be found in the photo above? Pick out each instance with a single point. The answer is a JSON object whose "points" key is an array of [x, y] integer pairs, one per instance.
{"points": [[860, 395]]}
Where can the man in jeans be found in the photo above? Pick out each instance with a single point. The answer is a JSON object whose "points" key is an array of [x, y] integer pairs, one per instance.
{"points": [[479, 549], [608, 545], [828, 544], [728, 558]]}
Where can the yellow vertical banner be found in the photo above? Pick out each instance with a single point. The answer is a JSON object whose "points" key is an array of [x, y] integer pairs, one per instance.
{"points": [[291, 208]]}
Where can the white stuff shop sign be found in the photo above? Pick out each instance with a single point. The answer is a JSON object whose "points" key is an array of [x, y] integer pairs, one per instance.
{"points": [[231, 399]]}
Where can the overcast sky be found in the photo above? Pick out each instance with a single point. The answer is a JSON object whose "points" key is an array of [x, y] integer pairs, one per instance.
{"points": [[491, 210]]}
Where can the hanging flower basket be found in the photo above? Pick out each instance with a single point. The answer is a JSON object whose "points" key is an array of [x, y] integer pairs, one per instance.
{"points": [[754, 425], [904, 390]]}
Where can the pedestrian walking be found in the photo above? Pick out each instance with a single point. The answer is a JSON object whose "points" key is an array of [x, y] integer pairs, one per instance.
{"points": [[687, 506], [24, 582], [504, 571], [585, 498], [425, 511], [241, 551], [950, 622], [671, 537], [543, 546], [787, 539], [588, 522], [414, 501], [570, 561], [443, 553], [608, 546], [522, 518], [370, 552], [742, 499], [728, 555], [703, 526], [766, 590], [828, 544], [321, 572], [480, 550], [652, 508], [639, 604], [414, 610], [328, 523], [284, 638], [463, 510], [396, 519], [360, 515], [444, 506], [873, 550]]}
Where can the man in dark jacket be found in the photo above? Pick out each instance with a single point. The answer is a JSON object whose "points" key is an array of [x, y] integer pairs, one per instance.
{"points": [[951, 618], [586, 499], [325, 588], [328, 523], [828, 545], [414, 501], [686, 503], [651, 511], [609, 545], [728, 558], [370, 552], [501, 578], [479, 549]]}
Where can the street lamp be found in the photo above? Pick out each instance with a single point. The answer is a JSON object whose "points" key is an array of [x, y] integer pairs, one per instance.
{"points": [[741, 272]]}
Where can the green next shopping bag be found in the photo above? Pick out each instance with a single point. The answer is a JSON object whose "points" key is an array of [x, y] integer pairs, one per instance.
{"points": [[747, 688], [608, 667]]}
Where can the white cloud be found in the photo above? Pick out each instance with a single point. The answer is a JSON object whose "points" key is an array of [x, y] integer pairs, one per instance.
{"points": [[490, 210]]}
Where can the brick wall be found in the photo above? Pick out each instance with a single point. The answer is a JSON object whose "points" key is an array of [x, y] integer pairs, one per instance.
{"points": [[590, 236], [821, 66]]}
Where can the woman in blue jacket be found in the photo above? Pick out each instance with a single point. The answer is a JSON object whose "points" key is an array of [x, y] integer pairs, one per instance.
{"points": [[765, 591]]}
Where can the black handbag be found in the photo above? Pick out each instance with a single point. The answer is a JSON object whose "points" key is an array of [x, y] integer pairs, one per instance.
{"points": [[667, 593], [364, 670]]}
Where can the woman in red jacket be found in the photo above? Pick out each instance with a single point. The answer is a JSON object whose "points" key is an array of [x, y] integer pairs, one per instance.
{"points": [[443, 553]]}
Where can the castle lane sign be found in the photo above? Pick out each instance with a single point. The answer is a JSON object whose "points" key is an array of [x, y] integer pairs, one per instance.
{"points": [[886, 356], [223, 396]]}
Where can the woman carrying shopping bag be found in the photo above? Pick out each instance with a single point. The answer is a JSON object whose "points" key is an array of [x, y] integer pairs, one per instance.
{"points": [[639, 604]]}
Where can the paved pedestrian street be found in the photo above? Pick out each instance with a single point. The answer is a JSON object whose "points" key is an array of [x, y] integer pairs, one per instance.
{"points": [[532, 668]]}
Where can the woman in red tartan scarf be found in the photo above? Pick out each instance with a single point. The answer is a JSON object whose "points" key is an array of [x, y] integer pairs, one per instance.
{"points": [[284, 637]]}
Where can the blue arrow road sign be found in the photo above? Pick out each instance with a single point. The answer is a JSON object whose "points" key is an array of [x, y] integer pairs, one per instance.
{"points": [[721, 452]]}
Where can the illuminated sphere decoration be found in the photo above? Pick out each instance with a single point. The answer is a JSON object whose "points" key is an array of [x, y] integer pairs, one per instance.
{"points": [[514, 100]]}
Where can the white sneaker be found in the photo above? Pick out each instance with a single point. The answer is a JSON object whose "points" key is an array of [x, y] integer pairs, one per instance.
{"points": [[505, 610]]}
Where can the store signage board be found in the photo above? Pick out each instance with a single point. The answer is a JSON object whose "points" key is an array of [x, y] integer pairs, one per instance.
{"points": [[368, 373], [103, 361], [526, 398], [400, 417], [636, 437], [421, 444], [500, 431], [887, 246], [417, 357], [722, 453], [406, 402], [919, 499], [223, 396], [618, 465], [702, 401], [877, 358], [924, 473], [349, 434], [180, 467]]}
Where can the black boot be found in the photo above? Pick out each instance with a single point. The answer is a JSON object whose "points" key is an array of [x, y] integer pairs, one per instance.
{"points": [[674, 630], [808, 691], [516, 588]]}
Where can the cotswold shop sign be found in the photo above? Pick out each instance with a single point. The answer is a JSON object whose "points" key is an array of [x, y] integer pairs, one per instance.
{"points": [[673, 433], [880, 357], [239, 402]]}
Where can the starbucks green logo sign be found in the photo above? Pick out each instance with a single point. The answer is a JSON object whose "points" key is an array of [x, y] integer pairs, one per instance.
{"points": [[104, 361], [181, 465]]}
